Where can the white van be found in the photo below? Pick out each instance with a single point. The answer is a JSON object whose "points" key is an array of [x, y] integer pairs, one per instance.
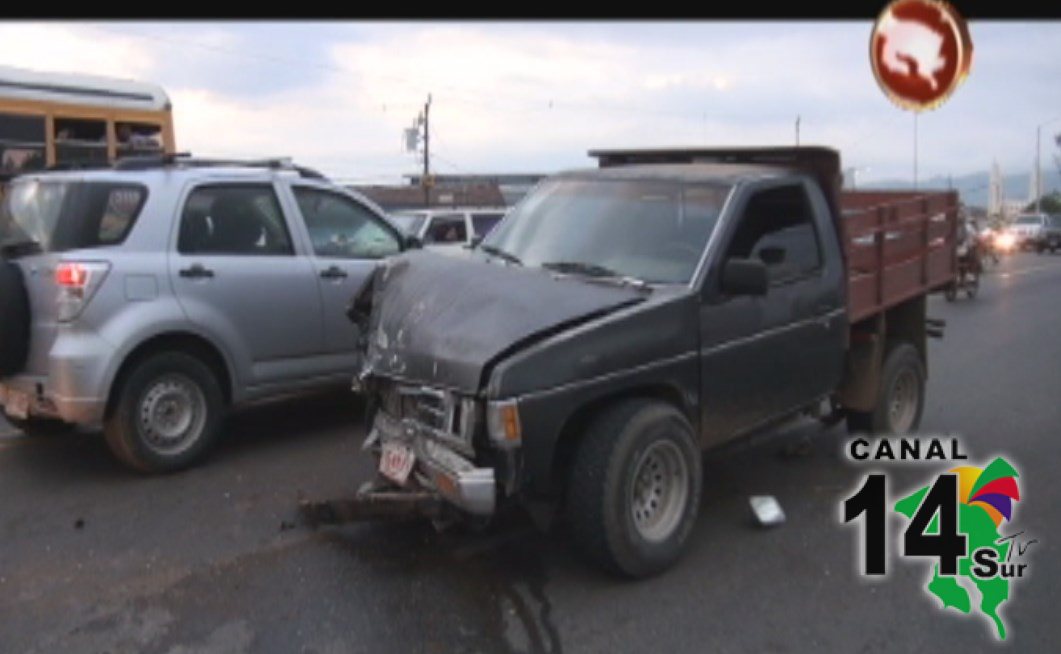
{"points": [[449, 228]]}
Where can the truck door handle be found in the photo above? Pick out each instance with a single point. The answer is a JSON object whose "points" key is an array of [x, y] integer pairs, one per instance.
{"points": [[334, 272], [197, 271]]}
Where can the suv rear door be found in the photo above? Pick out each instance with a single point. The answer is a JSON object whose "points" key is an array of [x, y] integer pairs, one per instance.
{"points": [[346, 240], [238, 275]]}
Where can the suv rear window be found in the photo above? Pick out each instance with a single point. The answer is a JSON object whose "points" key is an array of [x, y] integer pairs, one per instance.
{"points": [[60, 216]]}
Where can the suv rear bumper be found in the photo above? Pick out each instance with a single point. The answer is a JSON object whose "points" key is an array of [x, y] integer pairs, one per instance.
{"points": [[75, 388], [46, 404]]}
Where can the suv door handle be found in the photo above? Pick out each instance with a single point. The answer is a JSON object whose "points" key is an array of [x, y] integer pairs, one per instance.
{"points": [[334, 272], [197, 271]]}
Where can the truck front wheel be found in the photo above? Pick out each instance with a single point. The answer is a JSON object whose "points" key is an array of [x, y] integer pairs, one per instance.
{"points": [[633, 488], [900, 397]]}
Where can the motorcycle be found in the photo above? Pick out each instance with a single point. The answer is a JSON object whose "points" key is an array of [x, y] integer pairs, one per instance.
{"points": [[970, 266]]}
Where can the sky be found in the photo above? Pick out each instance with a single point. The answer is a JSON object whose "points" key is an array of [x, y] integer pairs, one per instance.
{"points": [[534, 97]]}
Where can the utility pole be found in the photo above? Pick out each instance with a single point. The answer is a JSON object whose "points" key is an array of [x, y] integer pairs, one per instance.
{"points": [[1038, 169], [915, 150], [797, 131], [1038, 162], [425, 181]]}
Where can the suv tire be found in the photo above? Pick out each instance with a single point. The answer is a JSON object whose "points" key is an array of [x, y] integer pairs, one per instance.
{"points": [[14, 319], [633, 489], [900, 398], [167, 413]]}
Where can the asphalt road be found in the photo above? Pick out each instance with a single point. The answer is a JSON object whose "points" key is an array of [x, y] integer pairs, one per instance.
{"points": [[96, 559]]}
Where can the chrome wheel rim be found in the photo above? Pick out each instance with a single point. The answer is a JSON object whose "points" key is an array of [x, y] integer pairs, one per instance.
{"points": [[903, 406], [172, 414], [660, 491]]}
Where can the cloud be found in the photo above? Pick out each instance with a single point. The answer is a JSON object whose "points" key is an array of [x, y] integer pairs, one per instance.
{"points": [[71, 49], [536, 96]]}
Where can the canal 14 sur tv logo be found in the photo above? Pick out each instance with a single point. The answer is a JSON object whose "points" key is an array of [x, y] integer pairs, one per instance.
{"points": [[955, 519]]}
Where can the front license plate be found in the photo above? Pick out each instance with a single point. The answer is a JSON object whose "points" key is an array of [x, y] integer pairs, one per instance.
{"points": [[16, 404], [396, 461]]}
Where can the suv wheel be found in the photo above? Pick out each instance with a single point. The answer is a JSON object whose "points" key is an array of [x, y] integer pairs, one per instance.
{"points": [[900, 398], [634, 488], [166, 414]]}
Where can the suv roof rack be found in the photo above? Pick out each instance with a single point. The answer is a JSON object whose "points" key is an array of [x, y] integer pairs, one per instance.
{"points": [[149, 162]]}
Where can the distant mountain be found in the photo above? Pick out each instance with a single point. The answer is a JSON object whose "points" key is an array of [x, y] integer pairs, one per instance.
{"points": [[973, 188]]}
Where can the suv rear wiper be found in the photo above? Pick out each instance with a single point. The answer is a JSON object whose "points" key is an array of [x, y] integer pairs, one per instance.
{"points": [[498, 252], [595, 271]]}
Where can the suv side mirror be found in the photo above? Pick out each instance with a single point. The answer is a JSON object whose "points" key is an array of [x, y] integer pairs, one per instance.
{"points": [[744, 277], [411, 242]]}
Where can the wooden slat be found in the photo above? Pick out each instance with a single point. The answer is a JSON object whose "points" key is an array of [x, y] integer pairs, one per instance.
{"points": [[898, 244]]}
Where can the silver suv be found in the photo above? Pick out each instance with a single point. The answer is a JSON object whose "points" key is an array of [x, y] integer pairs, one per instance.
{"points": [[149, 298]]}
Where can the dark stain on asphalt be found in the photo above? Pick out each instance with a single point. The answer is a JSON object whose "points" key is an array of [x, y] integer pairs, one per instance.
{"points": [[500, 574]]}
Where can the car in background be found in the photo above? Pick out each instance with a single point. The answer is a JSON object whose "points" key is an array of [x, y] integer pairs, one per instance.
{"points": [[1037, 231], [1052, 237], [149, 298], [449, 228]]}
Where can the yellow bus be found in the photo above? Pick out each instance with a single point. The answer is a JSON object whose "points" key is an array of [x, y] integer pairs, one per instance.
{"points": [[53, 120]]}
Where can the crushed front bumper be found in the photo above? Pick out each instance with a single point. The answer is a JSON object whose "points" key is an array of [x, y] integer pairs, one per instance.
{"points": [[439, 467]]}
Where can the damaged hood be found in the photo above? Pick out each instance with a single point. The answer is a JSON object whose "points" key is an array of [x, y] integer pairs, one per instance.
{"points": [[442, 321]]}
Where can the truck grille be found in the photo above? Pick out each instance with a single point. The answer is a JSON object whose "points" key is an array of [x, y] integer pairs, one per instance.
{"points": [[444, 414]]}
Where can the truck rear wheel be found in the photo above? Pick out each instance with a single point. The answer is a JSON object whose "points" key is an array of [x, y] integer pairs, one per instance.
{"points": [[167, 413], [633, 489], [900, 398]]}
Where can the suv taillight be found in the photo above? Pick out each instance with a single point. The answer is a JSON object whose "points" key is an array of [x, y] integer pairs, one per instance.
{"points": [[77, 282], [71, 275]]}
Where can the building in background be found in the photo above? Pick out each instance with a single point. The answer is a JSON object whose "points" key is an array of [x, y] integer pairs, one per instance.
{"points": [[996, 195], [513, 186], [487, 190], [410, 196]]}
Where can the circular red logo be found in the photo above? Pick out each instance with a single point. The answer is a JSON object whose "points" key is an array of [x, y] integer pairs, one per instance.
{"points": [[921, 52]]}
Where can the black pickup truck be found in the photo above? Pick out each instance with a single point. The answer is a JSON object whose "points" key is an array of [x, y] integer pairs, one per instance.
{"points": [[621, 319]]}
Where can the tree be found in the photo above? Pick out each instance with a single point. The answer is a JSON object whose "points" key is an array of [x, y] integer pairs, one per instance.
{"points": [[1050, 203]]}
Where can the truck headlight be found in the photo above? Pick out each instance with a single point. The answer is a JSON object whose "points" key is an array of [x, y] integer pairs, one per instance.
{"points": [[502, 422]]}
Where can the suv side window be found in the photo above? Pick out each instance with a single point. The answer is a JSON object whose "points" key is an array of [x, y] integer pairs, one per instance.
{"points": [[241, 219], [482, 223], [448, 228], [342, 228], [778, 228]]}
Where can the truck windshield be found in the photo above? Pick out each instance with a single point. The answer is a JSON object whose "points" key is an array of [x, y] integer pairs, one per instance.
{"points": [[53, 216], [654, 231]]}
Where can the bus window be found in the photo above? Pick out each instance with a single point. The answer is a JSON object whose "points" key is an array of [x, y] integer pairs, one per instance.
{"points": [[80, 142], [22, 143], [138, 138]]}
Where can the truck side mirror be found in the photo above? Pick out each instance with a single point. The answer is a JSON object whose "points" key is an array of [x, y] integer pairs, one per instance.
{"points": [[744, 277], [411, 242]]}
